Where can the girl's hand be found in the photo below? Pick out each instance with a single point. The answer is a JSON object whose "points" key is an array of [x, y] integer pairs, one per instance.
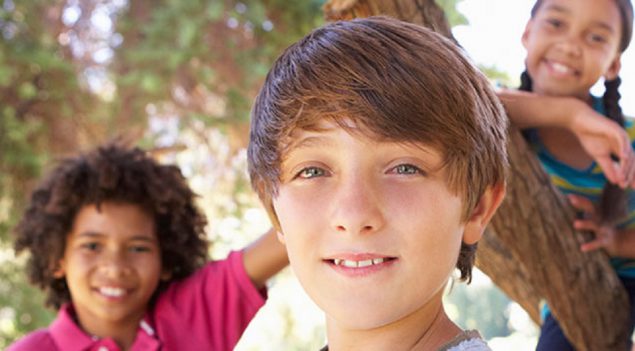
{"points": [[605, 236], [601, 138]]}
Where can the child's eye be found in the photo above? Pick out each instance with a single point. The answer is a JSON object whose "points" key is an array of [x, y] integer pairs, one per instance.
{"points": [[406, 169], [311, 172], [90, 246], [554, 23], [139, 249], [596, 38]]}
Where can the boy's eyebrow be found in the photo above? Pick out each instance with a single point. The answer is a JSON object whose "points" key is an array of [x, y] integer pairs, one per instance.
{"points": [[558, 8], [92, 234], [309, 141]]}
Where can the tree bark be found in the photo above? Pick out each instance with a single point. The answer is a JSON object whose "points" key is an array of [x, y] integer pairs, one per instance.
{"points": [[531, 250]]}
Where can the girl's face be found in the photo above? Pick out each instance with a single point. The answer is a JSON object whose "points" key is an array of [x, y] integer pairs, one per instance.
{"points": [[112, 265], [571, 44]]}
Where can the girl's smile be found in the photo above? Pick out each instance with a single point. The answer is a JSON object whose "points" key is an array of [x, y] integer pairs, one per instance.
{"points": [[571, 45]]}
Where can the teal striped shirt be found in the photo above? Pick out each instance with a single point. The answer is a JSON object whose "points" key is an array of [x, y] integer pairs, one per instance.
{"points": [[588, 183]]}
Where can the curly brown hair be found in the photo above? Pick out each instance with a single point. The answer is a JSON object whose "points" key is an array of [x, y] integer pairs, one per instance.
{"points": [[112, 172]]}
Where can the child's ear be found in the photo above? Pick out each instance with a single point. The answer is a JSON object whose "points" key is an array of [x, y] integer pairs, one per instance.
{"points": [[166, 275], [483, 212], [59, 271], [280, 236], [525, 37], [614, 69]]}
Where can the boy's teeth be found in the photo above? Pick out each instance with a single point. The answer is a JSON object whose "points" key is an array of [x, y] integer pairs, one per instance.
{"points": [[358, 264], [112, 292]]}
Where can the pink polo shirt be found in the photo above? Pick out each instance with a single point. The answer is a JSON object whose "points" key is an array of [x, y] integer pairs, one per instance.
{"points": [[208, 310]]}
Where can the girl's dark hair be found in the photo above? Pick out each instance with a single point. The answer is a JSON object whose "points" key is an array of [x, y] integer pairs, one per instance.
{"points": [[612, 205], [113, 173]]}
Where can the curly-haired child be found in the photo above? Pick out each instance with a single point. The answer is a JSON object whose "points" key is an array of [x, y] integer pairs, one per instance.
{"points": [[117, 243]]}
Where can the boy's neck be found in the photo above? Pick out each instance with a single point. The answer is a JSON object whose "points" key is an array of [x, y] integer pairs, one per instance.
{"points": [[426, 329], [123, 333]]}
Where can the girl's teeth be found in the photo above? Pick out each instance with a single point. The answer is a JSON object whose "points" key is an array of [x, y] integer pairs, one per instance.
{"points": [[560, 68]]}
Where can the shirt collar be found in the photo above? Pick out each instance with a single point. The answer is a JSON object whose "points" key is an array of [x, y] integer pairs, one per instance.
{"points": [[69, 336]]}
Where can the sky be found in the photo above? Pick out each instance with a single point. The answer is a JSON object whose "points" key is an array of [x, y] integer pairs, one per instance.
{"points": [[493, 37]]}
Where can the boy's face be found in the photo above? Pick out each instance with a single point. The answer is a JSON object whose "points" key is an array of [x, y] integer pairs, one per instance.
{"points": [[112, 264], [372, 231]]}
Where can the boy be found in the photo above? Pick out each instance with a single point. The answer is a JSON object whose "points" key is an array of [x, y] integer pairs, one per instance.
{"points": [[379, 152]]}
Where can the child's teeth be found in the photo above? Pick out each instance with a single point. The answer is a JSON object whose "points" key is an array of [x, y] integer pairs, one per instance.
{"points": [[351, 264], [358, 264], [560, 67], [365, 263], [112, 292]]}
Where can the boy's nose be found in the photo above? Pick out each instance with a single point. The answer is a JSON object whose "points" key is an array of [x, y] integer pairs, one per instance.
{"points": [[114, 264], [357, 208]]}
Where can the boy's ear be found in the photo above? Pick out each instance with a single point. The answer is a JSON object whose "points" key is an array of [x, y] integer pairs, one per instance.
{"points": [[280, 236], [483, 212], [166, 275], [59, 271], [614, 69]]}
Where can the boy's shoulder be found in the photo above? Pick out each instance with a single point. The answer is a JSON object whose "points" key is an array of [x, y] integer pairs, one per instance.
{"points": [[469, 340], [40, 339]]}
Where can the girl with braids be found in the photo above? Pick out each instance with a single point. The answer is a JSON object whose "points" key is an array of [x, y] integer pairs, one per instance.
{"points": [[571, 45], [117, 243]]}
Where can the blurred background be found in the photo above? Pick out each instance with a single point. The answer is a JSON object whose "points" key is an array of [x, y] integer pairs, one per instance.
{"points": [[179, 77]]}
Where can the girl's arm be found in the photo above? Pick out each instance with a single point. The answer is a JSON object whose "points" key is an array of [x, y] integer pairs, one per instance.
{"points": [[264, 258], [599, 136], [618, 243]]}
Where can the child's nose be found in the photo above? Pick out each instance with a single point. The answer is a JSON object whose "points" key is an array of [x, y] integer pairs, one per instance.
{"points": [[114, 264], [570, 45], [357, 208]]}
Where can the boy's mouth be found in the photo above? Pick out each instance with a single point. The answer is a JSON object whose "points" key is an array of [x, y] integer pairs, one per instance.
{"points": [[111, 292], [359, 263]]}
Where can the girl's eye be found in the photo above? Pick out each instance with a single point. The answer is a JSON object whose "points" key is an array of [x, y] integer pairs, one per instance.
{"points": [[554, 23], [311, 172], [596, 38], [407, 169]]}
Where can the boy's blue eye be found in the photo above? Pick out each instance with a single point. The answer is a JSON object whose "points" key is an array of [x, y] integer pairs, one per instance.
{"points": [[407, 169], [311, 172], [90, 246]]}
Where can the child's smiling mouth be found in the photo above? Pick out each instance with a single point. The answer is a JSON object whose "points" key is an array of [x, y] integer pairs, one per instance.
{"points": [[360, 264], [111, 292], [561, 69]]}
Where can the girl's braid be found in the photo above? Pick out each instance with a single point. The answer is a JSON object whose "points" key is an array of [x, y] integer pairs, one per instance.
{"points": [[612, 205]]}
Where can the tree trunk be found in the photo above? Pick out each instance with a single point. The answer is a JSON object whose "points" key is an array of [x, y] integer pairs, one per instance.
{"points": [[531, 250]]}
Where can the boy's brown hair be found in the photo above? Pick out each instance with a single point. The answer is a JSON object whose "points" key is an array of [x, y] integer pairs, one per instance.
{"points": [[396, 82]]}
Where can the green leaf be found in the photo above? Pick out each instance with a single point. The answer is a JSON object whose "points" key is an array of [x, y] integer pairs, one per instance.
{"points": [[27, 91]]}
